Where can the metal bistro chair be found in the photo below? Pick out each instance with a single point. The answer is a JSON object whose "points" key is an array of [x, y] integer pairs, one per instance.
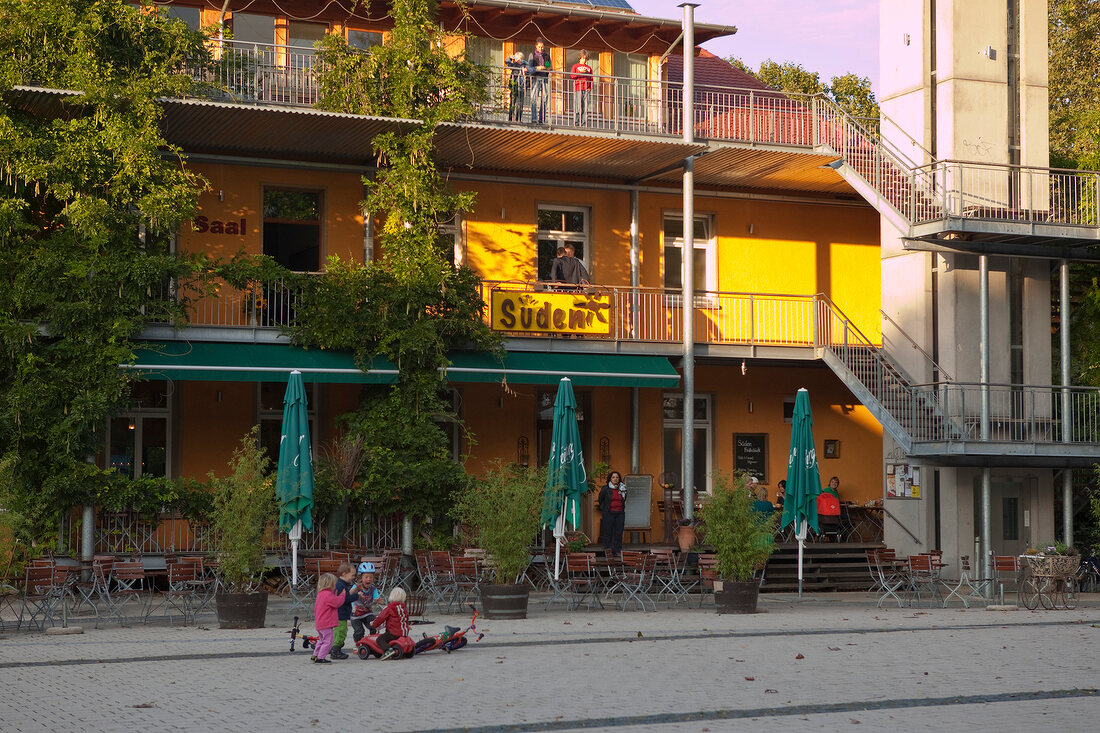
{"points": [[131, 585], [923, 577], [38, 598], [708, 573], [465, 580], [181, 592], [636, 579], [892, 577], [1006, 569], [584, 583]]}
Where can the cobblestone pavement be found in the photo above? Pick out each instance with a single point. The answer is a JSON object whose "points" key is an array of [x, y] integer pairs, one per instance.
{"points": [[823, 663]]}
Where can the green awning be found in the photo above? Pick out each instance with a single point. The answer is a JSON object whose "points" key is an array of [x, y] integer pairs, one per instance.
{"points": [[229, 362], [586, 370], [235, 362]]}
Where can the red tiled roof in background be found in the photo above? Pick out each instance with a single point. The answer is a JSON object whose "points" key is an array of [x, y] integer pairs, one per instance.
{"points": [[712, 71]]}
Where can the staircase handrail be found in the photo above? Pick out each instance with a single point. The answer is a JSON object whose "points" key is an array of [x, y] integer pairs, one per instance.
{"points": [[913, 141], [877, 141], [898, 522], [822, 297], [918, 347]]}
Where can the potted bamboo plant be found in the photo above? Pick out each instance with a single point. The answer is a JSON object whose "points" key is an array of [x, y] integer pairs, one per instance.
{"points": [[243, 504], [501, 510], [742, 540]]}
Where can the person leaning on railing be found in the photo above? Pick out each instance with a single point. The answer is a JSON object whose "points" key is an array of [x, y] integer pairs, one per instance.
{"points": [[538, 70], [517, 85], [581, 75]]}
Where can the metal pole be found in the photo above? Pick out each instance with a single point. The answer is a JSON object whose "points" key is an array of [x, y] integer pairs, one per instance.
{"points": [[407, 535], [635, 430], [635, 267], [687, 442], [1067, 421], [987, 502], [87, 539]]}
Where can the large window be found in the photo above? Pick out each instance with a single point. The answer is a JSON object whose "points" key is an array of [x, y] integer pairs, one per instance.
{"points": [[673, 439], [138, 440], [672, 235], [190, 16], [559, 226], [631, 70], [450, 241], [253, 28], [364, 40], [292, 228], [487, 51]]}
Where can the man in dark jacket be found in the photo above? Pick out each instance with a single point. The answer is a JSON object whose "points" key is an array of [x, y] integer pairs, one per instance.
{"points": [[568, 269], [538, 72]]}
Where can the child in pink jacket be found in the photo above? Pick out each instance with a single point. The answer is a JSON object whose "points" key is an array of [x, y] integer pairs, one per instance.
{"points": [[325, 615]]}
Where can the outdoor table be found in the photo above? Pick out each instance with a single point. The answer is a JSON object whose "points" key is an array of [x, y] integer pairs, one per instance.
{"points": [[865, 523]]}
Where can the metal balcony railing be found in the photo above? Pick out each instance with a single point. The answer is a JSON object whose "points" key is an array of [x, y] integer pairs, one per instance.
{"points": [[284, 75]]}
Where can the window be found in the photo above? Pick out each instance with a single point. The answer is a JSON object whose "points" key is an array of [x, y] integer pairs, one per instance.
{"points": [[673, 438], [673, 237], [631, 71], [189, 16], [486, 51], [270, 417], [364, 40], [138, 440], [559, 226], [252, 28], [292, 228], [450, 241]]}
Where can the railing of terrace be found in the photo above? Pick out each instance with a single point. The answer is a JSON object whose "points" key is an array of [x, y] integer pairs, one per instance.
{"points": [[283, 75]]}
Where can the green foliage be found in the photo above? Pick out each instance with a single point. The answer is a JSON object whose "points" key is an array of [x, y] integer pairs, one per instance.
{"points": [[1074, 78], [740, 536], [88, 195], [502, 510], [244, 503], [408, 465], [851, 93]]}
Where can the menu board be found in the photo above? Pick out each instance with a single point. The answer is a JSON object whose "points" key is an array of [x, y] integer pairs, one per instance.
{"points": [[639, 496], [750, 454]]}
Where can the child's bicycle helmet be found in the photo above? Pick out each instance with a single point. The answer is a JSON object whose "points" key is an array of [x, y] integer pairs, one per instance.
{"points": [[366, 567]]}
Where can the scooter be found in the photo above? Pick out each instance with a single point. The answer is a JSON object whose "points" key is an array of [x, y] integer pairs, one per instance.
{"points": [[450, 639], [399, 648], [308, 642]]}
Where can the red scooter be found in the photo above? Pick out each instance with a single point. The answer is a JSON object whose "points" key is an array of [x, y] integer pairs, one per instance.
{"points": [[400, 647], [450, 639]]}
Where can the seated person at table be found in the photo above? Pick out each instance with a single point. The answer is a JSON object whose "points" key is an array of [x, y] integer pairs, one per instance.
{"points": [[761, 503], [780, 490], [833, 487], [828, 515]]}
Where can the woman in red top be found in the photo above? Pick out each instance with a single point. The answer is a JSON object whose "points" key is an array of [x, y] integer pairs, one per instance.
{"points": [[612, 500]]}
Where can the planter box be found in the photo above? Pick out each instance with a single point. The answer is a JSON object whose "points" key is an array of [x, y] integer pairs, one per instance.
{"points": [[241, 610], [1050, 566], [504, 601], [736, 597]]}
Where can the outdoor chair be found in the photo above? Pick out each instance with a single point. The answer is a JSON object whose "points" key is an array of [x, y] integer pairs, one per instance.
{"points": [[708, 573], [636, 579], [1006, 569], [584, 583], [465, 581], [206, 583], [965, 580], [38, 598], [430, 589], [181, 592], [131, 586], [668, 574], [923, 577], [893, 576]]}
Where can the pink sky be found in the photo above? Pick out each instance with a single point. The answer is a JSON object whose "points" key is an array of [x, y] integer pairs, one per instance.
{"points": [[831, 37]]}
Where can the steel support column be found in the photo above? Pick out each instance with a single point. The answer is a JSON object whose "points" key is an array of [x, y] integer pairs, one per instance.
{"points": [[1067, 421], [687, 442]]}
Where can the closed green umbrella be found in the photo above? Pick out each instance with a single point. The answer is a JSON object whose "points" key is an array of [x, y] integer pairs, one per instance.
{"points": [[566, 479], [803, 477], [294, 480]]}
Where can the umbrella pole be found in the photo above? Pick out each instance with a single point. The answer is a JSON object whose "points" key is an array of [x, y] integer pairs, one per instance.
{"points": [[559, 534], [801, 544]]}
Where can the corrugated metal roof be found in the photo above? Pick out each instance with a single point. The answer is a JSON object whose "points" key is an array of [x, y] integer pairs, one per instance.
{"points": [[229, 128], [557, 152], [738, 167]]}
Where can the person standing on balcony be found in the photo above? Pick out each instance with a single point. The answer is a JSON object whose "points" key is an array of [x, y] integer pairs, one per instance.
{"points": [[612, 502], [581, 74], [517, 85], [538, 71], [568, 269]]}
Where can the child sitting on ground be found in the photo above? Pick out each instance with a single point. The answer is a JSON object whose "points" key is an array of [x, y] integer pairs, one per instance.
{"points": [[368, 595], [396, 618], [325, 616]]}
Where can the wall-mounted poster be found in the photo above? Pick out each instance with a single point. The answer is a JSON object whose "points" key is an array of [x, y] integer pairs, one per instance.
{"points": [[750, 454], [902, 481]]}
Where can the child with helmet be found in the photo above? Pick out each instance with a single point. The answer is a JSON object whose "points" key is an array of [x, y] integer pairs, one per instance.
{"points": [[367, 596]]}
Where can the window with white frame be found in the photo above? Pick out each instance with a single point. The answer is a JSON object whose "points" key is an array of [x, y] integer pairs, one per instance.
{"points": [[673, 409], [139, 440], [631, 72], [450, 240], [702, 259], [558, 226]]}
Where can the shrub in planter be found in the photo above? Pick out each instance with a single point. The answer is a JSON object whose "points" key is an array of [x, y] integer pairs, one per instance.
{"points": [[741, 538], [502, 510], [244, 502]]}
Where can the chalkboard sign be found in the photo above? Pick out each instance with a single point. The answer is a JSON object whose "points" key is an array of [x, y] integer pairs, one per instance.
{"points": [[639, 497], [750, 454]]}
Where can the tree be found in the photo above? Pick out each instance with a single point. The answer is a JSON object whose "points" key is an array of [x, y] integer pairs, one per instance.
{"points": [[851, 93], [1074, 77], [413, 306], [88, 196]]}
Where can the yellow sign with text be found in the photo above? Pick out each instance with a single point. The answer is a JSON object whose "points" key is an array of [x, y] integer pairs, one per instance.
{"points": [[551, 312]]}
